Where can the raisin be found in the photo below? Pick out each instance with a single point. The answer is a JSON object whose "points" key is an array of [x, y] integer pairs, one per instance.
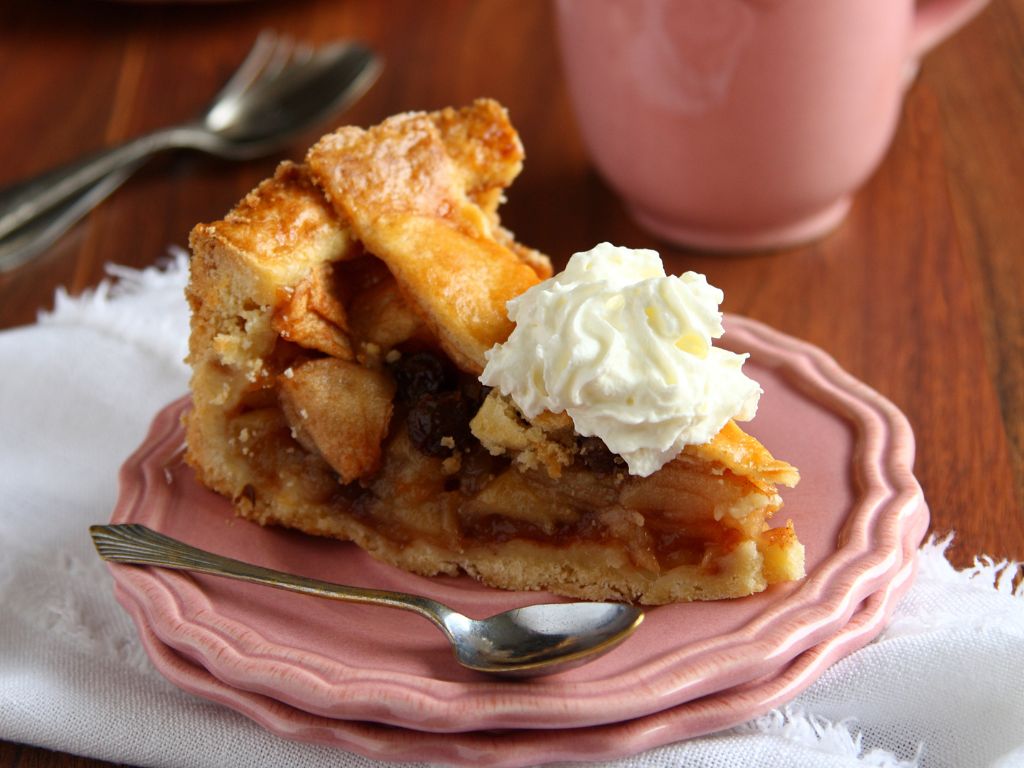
{"points": [[474, 392], [420, 374], [596, 457], [435, 417], [479, 467]]}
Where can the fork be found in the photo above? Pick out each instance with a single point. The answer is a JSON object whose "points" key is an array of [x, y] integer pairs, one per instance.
{"points": [[279, 89]]}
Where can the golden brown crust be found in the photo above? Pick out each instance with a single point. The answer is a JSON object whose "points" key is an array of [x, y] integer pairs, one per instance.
{"points": [[745, 456], [284, 225], [407, 187]]}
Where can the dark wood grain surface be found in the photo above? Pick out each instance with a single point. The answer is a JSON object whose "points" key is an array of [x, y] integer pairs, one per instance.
{"points": [[920, 293]]}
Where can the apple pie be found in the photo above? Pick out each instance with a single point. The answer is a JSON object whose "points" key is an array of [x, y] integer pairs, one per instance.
{"points": [[341, 317]]}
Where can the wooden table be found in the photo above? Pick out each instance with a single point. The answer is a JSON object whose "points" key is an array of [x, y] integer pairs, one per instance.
{"points": [[920, 293]]}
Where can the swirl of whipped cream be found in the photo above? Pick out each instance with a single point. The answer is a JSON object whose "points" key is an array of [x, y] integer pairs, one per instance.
{"points": [[627, 352]]}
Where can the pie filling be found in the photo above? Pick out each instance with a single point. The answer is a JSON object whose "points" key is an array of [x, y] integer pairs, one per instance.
{"points": [[438, 483], [486, 500]]}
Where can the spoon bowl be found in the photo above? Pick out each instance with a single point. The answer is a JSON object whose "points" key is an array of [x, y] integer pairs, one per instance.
{"points": [[286, 99], [541, 638], [522, 642]]}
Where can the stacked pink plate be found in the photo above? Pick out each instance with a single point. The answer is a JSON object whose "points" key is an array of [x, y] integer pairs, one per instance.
{"points": [[383, 683]]}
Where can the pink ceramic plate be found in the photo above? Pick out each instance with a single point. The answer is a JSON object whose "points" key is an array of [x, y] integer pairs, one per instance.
{"points": [[856, 498], [521, 748]]}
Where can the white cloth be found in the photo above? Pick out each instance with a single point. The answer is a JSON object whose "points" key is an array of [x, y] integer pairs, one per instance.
{"points": [[942, 686]]}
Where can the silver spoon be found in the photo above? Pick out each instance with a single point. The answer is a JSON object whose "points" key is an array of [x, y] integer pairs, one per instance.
{"points": [[279, 90], [43, 230], [535, 640]]}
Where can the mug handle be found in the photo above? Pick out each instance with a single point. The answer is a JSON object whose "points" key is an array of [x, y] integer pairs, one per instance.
{"points": [[935, 20]]}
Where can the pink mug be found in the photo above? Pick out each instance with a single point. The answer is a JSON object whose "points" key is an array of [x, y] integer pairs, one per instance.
{"points": [[743, 124]]}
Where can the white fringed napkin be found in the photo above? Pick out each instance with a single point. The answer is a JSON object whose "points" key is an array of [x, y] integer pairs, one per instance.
{"points": [[942, 686]]}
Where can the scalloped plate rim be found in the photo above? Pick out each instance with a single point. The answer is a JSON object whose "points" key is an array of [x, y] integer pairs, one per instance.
{"points": [[523, 748], [672, 677]]}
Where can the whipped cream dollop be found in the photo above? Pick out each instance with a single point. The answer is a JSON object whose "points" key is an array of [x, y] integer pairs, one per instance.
{"points": [[627, 352]]}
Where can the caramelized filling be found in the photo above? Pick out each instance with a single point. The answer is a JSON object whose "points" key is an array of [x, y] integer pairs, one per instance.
{"points": [[498, 529], [693, 544], [669, 547]]}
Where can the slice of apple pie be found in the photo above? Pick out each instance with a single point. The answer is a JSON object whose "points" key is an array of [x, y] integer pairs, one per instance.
{"points": [[342, 316]]}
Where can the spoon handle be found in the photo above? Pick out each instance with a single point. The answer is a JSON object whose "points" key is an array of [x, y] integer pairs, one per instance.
{"points": [[140, 545], [39, 233], [26, 200]]}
